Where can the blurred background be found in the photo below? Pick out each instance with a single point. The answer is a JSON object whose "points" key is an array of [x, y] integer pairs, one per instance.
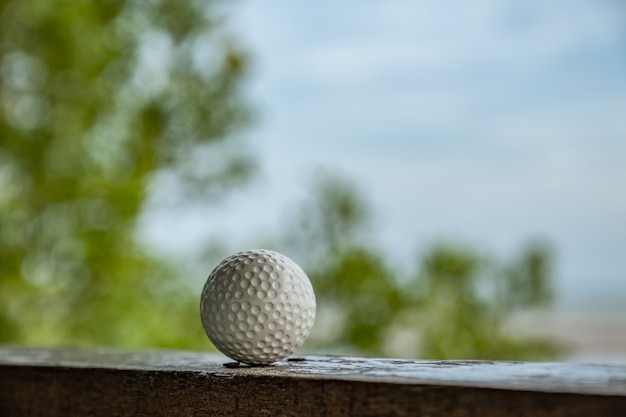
{"points": [[449, 175]]}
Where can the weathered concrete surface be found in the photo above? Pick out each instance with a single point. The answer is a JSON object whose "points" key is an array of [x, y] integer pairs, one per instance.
{"points": [[55, 382]]}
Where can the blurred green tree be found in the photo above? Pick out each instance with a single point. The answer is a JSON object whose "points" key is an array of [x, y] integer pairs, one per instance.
{"points": [[97, 99], [457, 304]]}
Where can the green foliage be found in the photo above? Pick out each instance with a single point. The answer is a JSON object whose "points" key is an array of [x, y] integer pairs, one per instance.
{"points": [[467, 301], [101, 99], [96, 99], [456, 305]]}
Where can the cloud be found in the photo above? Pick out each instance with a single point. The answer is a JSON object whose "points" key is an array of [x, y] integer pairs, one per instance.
{"points": [[490, 120]]}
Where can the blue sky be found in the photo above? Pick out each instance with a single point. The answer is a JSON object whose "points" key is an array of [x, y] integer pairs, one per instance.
{"points": [[489, 122]]}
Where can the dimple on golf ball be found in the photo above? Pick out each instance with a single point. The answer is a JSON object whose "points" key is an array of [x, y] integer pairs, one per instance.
{"points": [[257, 306]]}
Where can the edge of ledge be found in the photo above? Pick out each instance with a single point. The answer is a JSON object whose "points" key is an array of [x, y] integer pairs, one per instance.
{"points": [[544, 377]]}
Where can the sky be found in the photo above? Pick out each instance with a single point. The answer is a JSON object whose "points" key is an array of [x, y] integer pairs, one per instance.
{"points": [[486, 122]]}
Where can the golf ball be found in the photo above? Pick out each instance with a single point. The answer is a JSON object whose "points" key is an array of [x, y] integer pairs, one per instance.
{"points": [[257, 306]]}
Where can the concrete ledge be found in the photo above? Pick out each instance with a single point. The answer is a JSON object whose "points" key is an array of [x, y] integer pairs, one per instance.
{"points": [[73, 382]]}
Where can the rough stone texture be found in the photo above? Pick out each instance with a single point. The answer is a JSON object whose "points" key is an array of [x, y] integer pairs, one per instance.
{"points": [[48, 382]]}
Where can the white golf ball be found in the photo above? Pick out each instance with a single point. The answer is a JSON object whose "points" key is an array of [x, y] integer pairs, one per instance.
{"points": [[257, 306]]}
